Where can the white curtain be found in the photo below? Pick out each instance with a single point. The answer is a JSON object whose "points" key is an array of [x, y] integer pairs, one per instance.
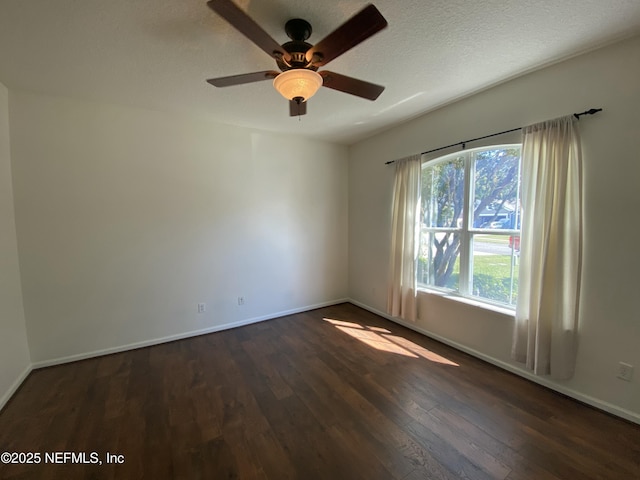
{"points": [[401, 299], [545, 333]]}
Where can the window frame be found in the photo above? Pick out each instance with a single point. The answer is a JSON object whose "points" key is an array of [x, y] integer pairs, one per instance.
{"points": [[467, 231]]}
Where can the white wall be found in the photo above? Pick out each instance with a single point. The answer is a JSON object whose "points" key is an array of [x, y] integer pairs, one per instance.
{"points": [[610, 323], [14, 351], [127, 218]]}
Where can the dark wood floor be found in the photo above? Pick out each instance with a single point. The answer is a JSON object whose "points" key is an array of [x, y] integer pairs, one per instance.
{"points": [[336, 393]]}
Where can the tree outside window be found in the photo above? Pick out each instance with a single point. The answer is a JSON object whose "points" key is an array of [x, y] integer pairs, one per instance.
{"points": [[470, 230]]}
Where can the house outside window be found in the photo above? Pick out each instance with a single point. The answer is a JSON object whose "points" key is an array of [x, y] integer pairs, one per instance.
{"points": [[470, 224]]}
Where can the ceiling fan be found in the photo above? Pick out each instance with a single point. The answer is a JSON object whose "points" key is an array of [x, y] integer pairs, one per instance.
{"points": [[298, 61]]}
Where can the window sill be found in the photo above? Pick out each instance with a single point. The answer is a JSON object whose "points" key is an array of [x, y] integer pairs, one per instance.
{"points": [[470, 301]]}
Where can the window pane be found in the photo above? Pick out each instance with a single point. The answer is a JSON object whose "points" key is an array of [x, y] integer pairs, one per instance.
{"points": [[495, 268], [443, 193], [497, 189], [439, 259], [483, 210]]}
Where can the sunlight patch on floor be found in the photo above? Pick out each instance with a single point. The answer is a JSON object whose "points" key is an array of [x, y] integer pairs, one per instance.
{"points": [[342, 324], [382, 339], [421, 351], [378, 329], [376, 341]]}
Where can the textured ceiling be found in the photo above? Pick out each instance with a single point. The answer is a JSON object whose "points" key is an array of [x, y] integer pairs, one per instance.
{"points": [[157, 54]]}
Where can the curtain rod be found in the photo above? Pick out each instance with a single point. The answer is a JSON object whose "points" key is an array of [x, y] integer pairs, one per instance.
{"points": [[591, 111]]}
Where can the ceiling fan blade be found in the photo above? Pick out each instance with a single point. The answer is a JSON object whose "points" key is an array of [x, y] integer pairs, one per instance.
{"points": [[296, 109], [243, 78], [355, 30], [351, 85], [248, 27]]}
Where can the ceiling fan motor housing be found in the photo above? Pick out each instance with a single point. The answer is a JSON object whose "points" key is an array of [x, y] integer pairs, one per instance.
{"points": [[298, 30]]}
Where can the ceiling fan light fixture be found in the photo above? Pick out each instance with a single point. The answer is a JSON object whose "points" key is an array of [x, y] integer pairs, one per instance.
{"points": [[298, 82]]}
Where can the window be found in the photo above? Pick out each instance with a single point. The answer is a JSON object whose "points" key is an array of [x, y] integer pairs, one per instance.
{"points": [[470, 224]]}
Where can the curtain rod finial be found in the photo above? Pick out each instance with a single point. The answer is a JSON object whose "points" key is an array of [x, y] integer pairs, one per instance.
{"points": [[591, 111]]}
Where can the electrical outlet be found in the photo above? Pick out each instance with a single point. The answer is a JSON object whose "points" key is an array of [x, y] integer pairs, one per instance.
{"points": [[625, 371], [241, 301], [202, 307]]}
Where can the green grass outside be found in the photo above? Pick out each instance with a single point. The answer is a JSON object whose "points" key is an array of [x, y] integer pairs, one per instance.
{"points": [[492, 278], [497, 266], [496, 239]]}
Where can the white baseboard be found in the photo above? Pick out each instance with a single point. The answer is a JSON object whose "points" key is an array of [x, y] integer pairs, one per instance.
{"points": [[581, 397], [180, 336], [14, 386]]}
